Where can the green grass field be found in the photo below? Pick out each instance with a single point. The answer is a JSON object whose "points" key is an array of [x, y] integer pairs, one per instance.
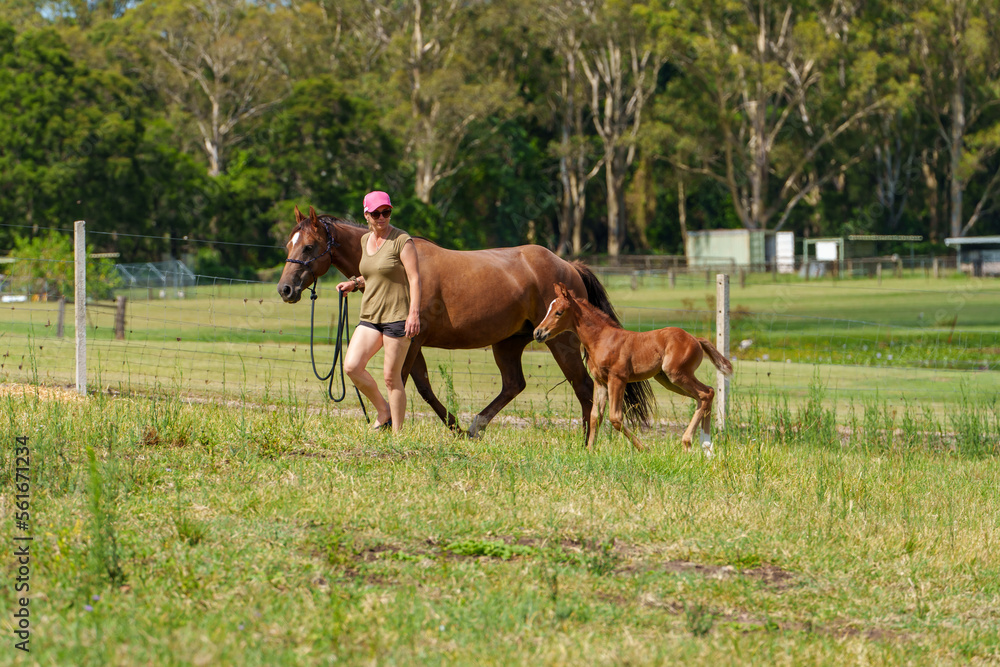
{"points": [[221, 510], [173, 533], [911, 340]]}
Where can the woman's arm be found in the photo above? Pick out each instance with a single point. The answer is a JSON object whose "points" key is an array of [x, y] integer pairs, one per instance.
{"points": [[408, 256], [356, 283]]}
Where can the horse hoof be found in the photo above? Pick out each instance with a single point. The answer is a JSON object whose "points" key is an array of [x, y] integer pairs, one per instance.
{"points": [[477, 427]]}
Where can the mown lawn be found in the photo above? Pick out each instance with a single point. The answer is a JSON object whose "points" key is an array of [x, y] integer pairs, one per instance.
{"points": [[175, 533]]}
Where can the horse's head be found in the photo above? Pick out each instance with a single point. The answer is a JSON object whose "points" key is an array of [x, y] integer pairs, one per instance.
{"points": [[559, 317], [309, 255]]}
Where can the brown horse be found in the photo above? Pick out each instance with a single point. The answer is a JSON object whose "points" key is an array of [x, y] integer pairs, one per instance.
{"points": [[471, 299], [616, 356]]}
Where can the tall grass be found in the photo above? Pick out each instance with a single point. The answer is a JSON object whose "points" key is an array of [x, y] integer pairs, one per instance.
{"points": [[971, 429], [243, 534]]}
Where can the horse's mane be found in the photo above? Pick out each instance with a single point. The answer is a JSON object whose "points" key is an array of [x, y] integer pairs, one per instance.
{"points": [[596, 312], [349, 223]]}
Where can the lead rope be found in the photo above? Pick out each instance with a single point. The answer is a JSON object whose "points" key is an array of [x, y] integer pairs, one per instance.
{"points": [[338, 350]]}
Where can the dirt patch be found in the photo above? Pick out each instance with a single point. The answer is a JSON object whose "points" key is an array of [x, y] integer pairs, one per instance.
{"points": [[64, 394], [710, 571], [309, 455], [772, 576], [369, 578], [872, 634], [376, 552], [378, 454]]}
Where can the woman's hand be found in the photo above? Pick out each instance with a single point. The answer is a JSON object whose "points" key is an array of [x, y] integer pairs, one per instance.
{"points": [[412, 327], [346, 286]]}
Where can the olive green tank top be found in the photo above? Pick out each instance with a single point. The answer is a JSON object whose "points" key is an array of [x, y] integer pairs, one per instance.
{"points": [[387, 290]]}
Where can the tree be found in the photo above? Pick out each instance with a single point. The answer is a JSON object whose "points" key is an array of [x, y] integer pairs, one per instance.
{"points": [[784, 82], [49, 270], [561, 31], [69, 136], [324, 145], [217, 65], [954, 48], [449, 80], [620, 65]]}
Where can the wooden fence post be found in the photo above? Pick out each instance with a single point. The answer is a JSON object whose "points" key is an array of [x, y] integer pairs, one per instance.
{"points": [[61, 320], [120, 318]]}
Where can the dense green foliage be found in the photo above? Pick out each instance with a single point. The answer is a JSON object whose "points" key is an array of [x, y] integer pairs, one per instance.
{"points": [[595, 126]]}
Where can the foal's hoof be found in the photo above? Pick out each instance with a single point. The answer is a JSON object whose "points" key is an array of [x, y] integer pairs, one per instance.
{"points": [[706, 445]]}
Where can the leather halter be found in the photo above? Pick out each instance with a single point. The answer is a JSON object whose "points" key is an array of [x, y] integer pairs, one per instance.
{"points": [[330, 245]]}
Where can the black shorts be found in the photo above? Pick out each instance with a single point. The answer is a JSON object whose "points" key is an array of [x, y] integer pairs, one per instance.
{"points": [[390, 329]]}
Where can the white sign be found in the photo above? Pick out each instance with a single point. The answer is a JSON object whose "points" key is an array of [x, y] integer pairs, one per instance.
{"points": [[826, 251], [784, 251]]}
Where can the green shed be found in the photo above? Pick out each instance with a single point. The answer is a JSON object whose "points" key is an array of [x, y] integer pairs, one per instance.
{"points": [[753, 249]]}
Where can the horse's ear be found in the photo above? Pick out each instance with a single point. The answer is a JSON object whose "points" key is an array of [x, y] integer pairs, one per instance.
{"points": [[298, 216], [561, 290], [313, 217]]}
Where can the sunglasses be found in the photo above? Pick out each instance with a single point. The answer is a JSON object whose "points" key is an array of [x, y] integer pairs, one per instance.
{"points": [[381, 214]]}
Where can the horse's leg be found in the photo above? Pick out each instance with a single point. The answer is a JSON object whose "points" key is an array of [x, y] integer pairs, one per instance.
{"points": [[566, 350], [690, 386], [507, 354], [597, 412], [616, 410], [415, 367]]}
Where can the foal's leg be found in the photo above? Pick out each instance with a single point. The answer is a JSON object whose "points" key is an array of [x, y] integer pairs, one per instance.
{"points": [[597, 412], [566, 350], [690, 386], [616, 412]]}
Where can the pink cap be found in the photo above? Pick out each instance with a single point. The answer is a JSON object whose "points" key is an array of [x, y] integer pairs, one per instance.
{"points": [[376, 199]]}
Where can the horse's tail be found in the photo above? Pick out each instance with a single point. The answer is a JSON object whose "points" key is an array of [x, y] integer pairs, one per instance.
{"points": [[716, 357], [639, 398]]}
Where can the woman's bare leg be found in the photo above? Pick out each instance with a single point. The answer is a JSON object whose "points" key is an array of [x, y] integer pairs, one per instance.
{"points": [[364, 344], [395, 354]]}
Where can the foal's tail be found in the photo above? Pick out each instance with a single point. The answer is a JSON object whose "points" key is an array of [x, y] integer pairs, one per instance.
{"points": [[716, 357], [639, 398]]}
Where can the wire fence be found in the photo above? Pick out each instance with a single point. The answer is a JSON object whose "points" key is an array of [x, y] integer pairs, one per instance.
{"points": [[228, 338]]}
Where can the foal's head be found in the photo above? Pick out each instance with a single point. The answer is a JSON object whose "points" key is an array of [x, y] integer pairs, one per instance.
{"points": [[309, 257], [560, 316]]}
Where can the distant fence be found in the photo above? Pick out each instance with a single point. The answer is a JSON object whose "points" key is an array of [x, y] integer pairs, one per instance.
{"points": [[232, 338], [172, 274]]}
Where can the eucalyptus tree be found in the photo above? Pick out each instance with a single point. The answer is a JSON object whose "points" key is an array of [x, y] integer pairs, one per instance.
{"points": [[784, 82], [561, 31], [217, 64], [954, 46], [441, 78], [620, 65]]}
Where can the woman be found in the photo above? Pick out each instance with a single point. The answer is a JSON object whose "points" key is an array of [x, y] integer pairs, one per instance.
{"points": [[390, 310]]}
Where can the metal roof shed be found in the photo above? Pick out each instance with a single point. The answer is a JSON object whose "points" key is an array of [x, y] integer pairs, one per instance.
{"points": [[979, 255]]}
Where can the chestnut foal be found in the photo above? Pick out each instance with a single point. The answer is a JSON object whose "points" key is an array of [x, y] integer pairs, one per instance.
{"points": [[616, 356]]}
